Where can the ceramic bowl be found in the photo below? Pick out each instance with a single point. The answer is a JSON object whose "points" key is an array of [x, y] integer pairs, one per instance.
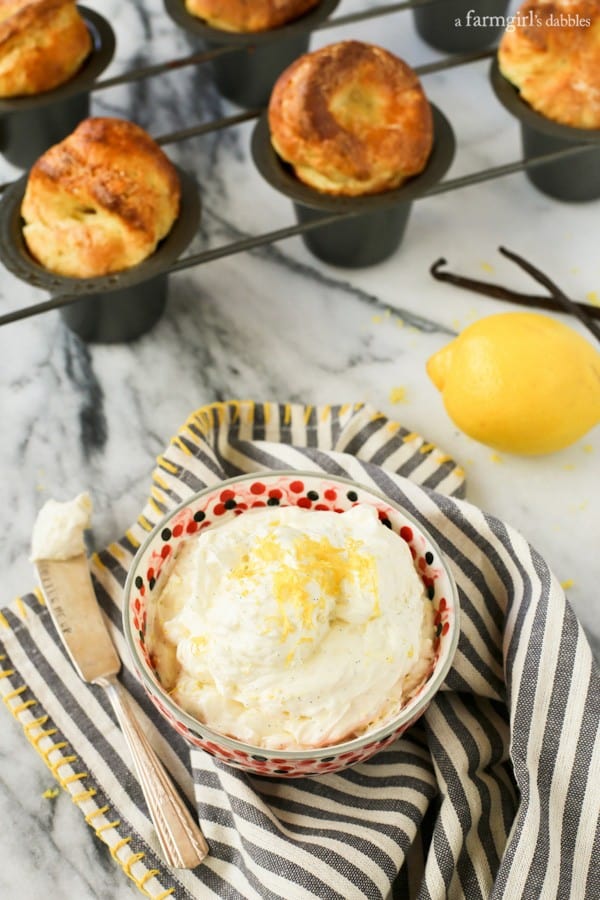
{"points": [[231, 498]]}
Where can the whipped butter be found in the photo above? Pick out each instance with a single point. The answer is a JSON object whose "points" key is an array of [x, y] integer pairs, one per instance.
{"points": [[59, 527], [291, 628]]}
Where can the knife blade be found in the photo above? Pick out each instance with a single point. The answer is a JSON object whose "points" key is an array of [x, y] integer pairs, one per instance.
{"points": [[72, 603], [71, 600]]}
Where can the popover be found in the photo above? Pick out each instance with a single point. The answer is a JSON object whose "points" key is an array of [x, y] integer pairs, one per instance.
{"points": [[242, 16], [43, 43], [351, 119], [100, 200], [553, 57]]}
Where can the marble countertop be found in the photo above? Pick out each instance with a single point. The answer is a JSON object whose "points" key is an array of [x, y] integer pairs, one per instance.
{"points": [[273, 324]]}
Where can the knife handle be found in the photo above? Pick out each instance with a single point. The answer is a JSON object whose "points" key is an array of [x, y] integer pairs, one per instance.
{"points": [[180, 837]]}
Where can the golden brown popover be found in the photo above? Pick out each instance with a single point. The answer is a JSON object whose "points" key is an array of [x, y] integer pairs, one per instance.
{"points": [[553, 58], [100, 200], [351, 119], [43, 43], [244, 16]]}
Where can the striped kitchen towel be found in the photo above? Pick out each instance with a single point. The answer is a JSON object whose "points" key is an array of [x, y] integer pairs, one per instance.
{"points": [[494, 793]]}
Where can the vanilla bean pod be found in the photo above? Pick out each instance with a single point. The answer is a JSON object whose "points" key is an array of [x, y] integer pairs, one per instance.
{"points": [[569, 306], [499, 292]]}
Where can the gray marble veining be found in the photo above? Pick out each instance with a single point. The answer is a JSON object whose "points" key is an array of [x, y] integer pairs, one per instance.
{"points": [[273, 323]]}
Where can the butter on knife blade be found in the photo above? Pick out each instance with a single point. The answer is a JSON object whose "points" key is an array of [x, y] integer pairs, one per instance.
{"points": [[58, 551], [63, 571], [58, 532]]}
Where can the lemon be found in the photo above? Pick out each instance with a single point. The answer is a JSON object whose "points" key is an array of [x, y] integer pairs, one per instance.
{"points": [[520, 382]]}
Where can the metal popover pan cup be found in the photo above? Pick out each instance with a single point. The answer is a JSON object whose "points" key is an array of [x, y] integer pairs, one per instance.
{"points": [[481, 23], [574, 179], [114, 308], [247, 77], [30, 124], [375, 230]]}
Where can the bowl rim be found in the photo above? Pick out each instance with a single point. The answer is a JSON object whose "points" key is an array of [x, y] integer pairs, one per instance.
{"points": [[509, 96], [407, 714], [97, 60], [280, 175], [177, 11]]}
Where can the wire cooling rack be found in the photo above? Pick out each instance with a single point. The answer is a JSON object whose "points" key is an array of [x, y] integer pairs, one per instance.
{"points": [[279, 234]]}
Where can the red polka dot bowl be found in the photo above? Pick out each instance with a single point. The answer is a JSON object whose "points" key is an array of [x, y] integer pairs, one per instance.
{"points": [[310, 490]]}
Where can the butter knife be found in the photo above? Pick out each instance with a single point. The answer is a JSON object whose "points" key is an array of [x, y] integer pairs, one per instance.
{"points": [[71, 599]]}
